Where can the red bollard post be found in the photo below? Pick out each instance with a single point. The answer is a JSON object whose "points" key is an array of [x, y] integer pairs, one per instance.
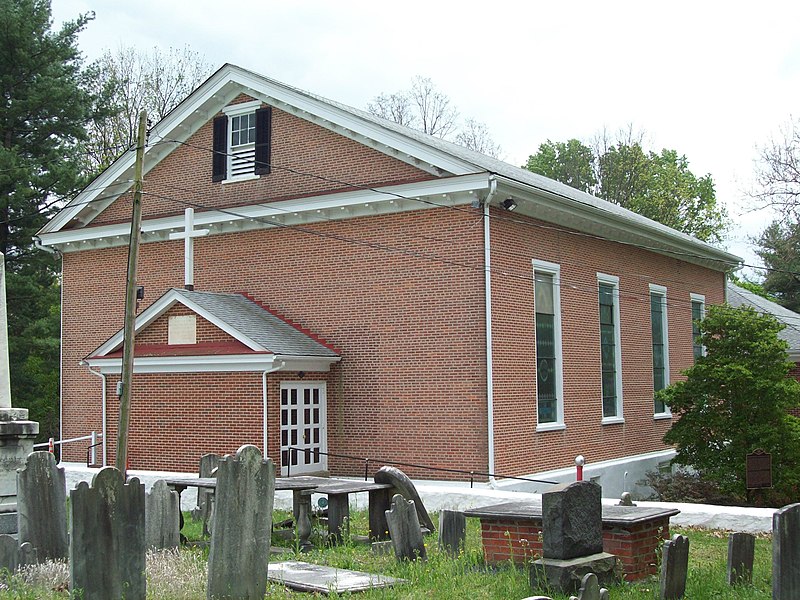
{"points": [[51, 446], [579, 462]]}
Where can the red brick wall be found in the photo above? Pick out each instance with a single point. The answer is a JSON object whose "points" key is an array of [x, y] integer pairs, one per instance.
{"points": [[520, 541], [184, 178], [519, 448], [411, 385]]}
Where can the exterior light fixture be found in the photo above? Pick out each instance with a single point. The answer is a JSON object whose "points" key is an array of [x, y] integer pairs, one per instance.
{"points": [[509, 204]]}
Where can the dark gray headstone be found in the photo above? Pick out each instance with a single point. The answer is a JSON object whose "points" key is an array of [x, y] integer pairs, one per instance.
{"points": [[404, 486], [786, 553], [107, 545], [162, 517], [741, 552], [626, 500], [14, 556], [404, 529], [208, 465], [452, 531], [242, 526], [674, 567], [42, 506], [572, 520]]}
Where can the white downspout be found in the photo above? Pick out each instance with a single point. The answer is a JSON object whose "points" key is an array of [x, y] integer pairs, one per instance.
{"points": [[487, 262], [103, 418], [264, 388]]}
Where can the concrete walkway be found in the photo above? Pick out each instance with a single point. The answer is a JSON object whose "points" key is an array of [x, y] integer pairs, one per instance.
{"points": [[459, 496]]}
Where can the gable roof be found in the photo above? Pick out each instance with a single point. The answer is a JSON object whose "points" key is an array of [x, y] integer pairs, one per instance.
{"points": [[257, 328], [738, 296], [541, 197]]}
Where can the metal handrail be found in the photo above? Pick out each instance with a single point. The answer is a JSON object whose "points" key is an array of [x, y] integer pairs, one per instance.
{"points": [[366, 461]]}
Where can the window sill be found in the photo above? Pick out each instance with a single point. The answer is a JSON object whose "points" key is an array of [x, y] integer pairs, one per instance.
{"points": [[241, 178], [550, 427], [662, 416], [612, 420]]}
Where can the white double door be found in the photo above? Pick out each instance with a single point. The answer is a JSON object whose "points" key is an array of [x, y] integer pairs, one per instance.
{"points": [[303, 427]]}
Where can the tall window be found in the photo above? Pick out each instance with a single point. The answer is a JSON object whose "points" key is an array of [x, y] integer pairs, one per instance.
{"points": [[658, 322], [698, 312], [549, 401], [610, 347]]}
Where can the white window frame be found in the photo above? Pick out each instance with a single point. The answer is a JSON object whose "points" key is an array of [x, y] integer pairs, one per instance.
{"points": [[702, 300], [612, 280], [553, 269], [237, 110], [660, 290]]}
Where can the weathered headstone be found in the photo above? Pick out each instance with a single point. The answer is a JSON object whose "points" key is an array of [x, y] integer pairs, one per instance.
{"points": [[625, 500], [572, 520], [741, 552], [107, 544], [161, 517], [404, 486], [786, 553], [404, 529], [590, 589], [13, 555], [42, 506], [674, 567], [452, 531], [205, 498], [242, 526], [16, 431]]}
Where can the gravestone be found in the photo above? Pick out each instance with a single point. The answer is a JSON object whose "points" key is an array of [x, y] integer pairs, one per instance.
{"points": [[572, 539], [42, 506], [786, 553], [572, 520], [674, 567], [626, 500], [107, 545], [404, 486], [14, 556], [404, 529], [590, 589], [161, 517], [452, 531], [241, 526], [205, 498], [741, 552], [16, 431]]}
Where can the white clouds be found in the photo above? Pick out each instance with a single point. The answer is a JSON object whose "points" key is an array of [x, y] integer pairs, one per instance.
{"points": [[711, 80]]}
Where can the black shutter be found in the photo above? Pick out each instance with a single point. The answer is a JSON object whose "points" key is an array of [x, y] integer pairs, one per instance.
{"points": [[263, 141], [219, 163]]}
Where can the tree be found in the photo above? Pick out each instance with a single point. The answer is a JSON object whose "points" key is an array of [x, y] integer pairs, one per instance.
{"points": [[155, 81], [659, 186], [735, 400], [425, 108], [45, 108], [778, 171], [779, 249]]}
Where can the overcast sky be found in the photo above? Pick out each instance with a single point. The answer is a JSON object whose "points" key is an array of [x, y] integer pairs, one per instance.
{"points": [[711, 80]]}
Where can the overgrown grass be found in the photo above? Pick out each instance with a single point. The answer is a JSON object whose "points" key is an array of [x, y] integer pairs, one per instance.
{"points": [[181, 575]]}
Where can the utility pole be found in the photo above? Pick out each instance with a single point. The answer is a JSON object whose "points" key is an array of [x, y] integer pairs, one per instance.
{"points": [[130, 300]]}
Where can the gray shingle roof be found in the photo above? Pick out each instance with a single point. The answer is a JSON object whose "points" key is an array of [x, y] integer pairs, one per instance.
{"points": [[738, 296], [265, 328]]}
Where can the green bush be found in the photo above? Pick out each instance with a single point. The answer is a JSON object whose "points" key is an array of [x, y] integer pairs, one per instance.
{"points": [[735, 400]]}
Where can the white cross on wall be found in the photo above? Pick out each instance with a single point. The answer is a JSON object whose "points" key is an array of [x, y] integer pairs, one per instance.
{"points": [[187, 235]]}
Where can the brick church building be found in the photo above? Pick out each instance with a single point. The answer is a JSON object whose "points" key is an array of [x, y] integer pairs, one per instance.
{"points": [[346, 285]]}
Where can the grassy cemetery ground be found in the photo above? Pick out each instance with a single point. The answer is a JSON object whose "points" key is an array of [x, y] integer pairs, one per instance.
{"points": [[181, 576]]}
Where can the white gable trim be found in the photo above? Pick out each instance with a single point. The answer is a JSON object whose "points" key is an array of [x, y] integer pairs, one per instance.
{"points": [[215, 363], [211, 97], [161, 306], [434, 193]]}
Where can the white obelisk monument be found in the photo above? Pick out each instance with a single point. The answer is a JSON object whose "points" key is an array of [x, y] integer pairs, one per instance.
{"points": [[16, 431]]}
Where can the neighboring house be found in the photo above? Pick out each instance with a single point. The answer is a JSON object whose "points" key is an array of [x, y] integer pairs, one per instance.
{"points": [[363, 289], [738, 296]]}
